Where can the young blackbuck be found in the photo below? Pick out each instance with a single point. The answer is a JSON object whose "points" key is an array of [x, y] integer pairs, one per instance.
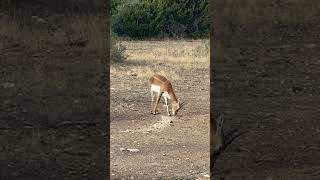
{"points": [[162, 87], [219, 141], [217, 137]]}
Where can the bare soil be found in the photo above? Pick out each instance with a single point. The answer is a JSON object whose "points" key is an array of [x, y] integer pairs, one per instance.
{"points": [[267, 84], [53, 104], [175, 147]]}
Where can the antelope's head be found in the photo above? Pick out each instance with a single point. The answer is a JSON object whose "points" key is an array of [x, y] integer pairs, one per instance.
{"points": [[176, 106]]}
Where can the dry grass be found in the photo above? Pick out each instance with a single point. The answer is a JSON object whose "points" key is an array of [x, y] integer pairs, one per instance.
{"points": [[146, 58], [177, 51]]}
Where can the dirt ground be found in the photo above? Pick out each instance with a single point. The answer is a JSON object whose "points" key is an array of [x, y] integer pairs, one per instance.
{"points": [[278, 103], [265, 81], [53, 99], [169, 147]]}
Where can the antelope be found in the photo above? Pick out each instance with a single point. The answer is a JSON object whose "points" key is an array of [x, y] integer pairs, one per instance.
{"points": [[219, 141], [162, 86]]}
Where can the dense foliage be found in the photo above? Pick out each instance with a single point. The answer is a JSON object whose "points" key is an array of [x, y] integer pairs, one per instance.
{"points": [[117, 50], [154, 18], [47, 7]]}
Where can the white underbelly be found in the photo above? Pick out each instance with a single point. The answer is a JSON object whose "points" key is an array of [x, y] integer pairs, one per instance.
{"points": [[166, 95], [156, 89]]}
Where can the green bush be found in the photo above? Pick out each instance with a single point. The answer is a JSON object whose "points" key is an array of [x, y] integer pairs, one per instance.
{"points": [[187, 18], [152, 18], [117, 50], [137, 19]]}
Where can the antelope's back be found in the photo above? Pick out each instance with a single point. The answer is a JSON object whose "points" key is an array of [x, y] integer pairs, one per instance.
{"points": [[158, 80]]}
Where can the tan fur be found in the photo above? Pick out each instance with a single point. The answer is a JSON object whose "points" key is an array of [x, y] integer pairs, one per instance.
{"points": [[165, 87]]}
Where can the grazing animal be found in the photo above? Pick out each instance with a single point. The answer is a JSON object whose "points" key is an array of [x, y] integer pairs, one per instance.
{"points": [[219, 141], [162, 87]]}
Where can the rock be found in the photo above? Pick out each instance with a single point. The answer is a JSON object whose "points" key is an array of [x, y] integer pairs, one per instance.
{"points": [[8, 85], [76, 101], [133, 150], [129, 150]]}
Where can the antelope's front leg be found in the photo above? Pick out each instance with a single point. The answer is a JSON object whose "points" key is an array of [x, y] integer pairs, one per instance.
{"points": [[152, 102], [156, 105], [167, 105]]}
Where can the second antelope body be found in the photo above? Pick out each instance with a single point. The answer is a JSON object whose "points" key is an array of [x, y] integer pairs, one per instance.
{"points": [[160, 86]]}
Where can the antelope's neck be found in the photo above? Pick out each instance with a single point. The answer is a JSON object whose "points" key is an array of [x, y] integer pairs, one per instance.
{"points": [[173, 96]]}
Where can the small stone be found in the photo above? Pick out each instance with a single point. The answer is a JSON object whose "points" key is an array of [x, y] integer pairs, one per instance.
{"points": [[133, 150], [8, 85], [76, 101]]}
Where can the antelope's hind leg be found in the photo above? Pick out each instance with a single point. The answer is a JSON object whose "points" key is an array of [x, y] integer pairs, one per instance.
{"points": [[152, 102], [167, 105]]}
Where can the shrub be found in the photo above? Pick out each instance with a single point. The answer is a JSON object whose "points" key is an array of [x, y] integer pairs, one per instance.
{"points": [[137, 19], [151, 18], [117, 50]]}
